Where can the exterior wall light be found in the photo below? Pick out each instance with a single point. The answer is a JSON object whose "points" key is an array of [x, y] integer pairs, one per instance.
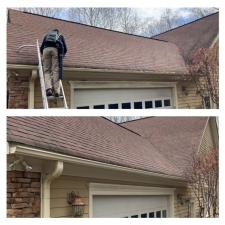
{"points": [[77, 204]]}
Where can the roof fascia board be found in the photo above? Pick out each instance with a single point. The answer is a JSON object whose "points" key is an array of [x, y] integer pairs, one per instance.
{"points": [[41, 153], [80, 69]]}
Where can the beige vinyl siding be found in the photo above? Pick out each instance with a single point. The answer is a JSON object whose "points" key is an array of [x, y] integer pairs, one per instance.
{"points": [[207, 140], [38, 99], [59, 189], [180, 210], [190, 99], [65, 184]]}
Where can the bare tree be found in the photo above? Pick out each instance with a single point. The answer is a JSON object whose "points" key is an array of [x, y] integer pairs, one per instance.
{"points": [[204, 70], [121, 119], [51, 12], [100, 17], [168, 20], [201, 12], [130, 21], [121, 19], [203, 178], [90, 16]]}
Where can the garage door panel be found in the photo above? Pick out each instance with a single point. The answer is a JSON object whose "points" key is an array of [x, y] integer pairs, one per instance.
{"points": [[91, 97], [129, 206]]}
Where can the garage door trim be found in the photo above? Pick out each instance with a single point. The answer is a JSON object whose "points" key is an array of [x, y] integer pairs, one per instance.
{"points": [[96, 189], [121, 85]]}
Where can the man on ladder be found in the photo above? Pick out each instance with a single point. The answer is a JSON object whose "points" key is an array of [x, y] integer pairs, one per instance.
{"points": [[53, 49]]}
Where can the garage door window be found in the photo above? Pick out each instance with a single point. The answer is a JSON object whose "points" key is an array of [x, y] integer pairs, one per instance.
{"points": [[156, 214], [158, 103], [138, 105], [99, 106], [126, 105], [147, 104], [113, 106], [83, 107], [167, 102], [151, 215]]}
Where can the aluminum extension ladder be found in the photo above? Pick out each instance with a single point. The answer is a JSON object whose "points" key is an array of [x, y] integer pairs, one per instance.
{"points": [[45, 98], [42, 82]]}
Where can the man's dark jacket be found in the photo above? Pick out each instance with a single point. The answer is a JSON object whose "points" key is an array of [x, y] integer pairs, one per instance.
{"points": [[60, 45], [62, 50]]}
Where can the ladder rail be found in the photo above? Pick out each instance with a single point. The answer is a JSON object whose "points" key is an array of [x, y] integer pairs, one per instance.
{"points": [[42, 82], [63, 93]]}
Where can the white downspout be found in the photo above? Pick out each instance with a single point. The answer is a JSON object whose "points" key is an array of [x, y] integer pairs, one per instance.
{"points": [[46, 182]]}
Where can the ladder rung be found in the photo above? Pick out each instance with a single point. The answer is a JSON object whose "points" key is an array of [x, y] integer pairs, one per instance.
{"points": [[54, 98], [57, 108]]}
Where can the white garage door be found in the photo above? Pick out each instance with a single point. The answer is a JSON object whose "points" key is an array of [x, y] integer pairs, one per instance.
{"points": [[138, 98], [130, 206]]}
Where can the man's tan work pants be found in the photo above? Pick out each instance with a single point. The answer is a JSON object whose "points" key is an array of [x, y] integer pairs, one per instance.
{"points": [[51, 68]]}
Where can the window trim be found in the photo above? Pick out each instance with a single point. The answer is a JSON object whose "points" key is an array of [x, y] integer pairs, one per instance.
{"points": [[117, 189]]}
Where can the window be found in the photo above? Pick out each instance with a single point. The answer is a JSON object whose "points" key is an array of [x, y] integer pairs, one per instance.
{"points": [[83, 107], [164, 213], [138, 105], [167, 102], [158, 214], [148, 104], [151, 215], [158, 103], [99, 106], [113, 106], [134, 216], [126, 105], [144, 215]]}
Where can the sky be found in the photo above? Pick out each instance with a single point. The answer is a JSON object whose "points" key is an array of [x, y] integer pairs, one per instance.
{"points": [[157, 12]]}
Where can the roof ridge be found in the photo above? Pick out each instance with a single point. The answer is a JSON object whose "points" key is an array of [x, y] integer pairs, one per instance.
{"points": [[184, 25], [118, 124], [144, 139], [82, 24]]}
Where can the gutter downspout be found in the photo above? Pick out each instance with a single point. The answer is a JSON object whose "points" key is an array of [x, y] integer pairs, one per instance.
{"points": [[46, 183]]}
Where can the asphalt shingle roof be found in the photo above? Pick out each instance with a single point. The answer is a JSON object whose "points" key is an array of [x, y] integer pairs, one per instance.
{"points": [[91, 47], [192, 36], [163, 147], [176, 138]]}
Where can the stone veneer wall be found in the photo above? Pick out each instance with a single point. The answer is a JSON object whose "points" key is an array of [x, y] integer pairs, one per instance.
{"points": [[18, 87], [23, 194]]}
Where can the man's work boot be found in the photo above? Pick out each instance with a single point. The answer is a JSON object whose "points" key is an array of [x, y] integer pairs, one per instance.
{"points": [[49, 92], [57, 95]]}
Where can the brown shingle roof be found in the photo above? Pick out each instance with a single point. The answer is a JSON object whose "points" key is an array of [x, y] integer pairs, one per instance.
{"points": [[192, 36], [91, 138], [91, 47], [176, 138]]}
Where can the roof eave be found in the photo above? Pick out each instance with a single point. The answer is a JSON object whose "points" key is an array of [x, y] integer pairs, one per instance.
{"points": [[100, 70], [15, 148]]}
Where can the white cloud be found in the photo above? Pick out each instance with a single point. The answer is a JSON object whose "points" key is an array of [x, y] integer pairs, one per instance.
{"points": [[150, 12]]}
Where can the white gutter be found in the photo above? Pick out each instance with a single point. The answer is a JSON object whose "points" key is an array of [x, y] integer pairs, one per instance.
{"points": [[40, 153], [46, 182], [81, 69]]}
